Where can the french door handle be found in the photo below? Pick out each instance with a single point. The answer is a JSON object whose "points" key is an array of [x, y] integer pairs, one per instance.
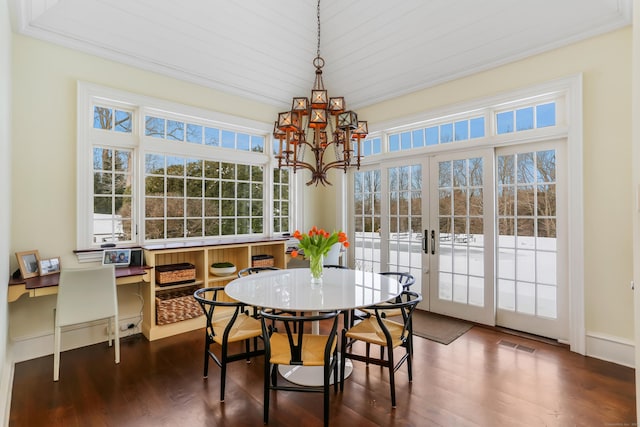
{"points": [[433, 242], [424, 242]]}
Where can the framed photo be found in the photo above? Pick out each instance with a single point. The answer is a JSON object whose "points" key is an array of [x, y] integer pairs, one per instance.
{"points": [[116, 257], [49, 266], [29, 262]]}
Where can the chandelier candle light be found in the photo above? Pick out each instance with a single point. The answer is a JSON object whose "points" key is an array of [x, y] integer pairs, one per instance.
{"points": [[309, 124], [315, 244]]}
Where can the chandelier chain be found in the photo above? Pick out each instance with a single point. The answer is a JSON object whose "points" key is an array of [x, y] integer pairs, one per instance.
{"points": [[318, 16]]}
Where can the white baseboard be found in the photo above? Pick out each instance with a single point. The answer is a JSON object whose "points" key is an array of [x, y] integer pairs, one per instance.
{"points": [[610, 348], [6, 387], [72, 337]]}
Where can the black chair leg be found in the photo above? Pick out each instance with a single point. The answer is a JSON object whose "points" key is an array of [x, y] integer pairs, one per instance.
{"points": [[392, 380], [205, 374], [335, 372], [327, 374], [223, 376], [343, 359], [368, 349], [267, 367]]}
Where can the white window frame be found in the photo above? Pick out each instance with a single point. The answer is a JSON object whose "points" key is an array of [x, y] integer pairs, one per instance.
{"points": [[87, 137], [567, 92]]}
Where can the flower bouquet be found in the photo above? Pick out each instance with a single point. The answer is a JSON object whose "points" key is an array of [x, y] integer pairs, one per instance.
{"points": [[315, 244]]}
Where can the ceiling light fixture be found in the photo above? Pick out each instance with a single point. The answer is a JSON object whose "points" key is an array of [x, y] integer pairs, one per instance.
{"points": [[309, 124]]}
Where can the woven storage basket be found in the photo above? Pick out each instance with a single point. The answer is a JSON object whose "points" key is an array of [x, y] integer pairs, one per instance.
{"points": [[176, 305], [262, 261], [175, 274]]}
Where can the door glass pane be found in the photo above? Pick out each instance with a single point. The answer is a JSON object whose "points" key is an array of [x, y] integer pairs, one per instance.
{"points": [[506, 295], [405, 220], [367, 194], [461, 241], [527, 241]]}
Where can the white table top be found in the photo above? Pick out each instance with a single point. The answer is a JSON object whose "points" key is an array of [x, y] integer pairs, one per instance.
{"points": [[292, 290]]}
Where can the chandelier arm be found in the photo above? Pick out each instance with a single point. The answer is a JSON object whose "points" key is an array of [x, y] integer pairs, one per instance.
{"points": [[300, 165], [334, 164]]}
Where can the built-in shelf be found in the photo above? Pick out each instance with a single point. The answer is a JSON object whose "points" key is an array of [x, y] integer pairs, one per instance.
{"points": [[201, 255]]}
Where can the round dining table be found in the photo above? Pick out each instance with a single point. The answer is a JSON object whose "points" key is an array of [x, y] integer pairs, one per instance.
{"points": [[292, 290]]}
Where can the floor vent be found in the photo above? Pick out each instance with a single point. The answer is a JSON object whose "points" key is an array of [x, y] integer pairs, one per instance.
{"points": [[516, 346]]}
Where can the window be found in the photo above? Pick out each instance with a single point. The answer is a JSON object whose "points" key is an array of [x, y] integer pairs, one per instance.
{"points": [[112, 192], [182, 174], [281, 200], [526, 118], [456, 131]]}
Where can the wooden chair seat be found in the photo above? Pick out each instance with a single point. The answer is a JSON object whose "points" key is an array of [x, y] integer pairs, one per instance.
{"points": [[312, 349], [244, 327], [369, 331]]}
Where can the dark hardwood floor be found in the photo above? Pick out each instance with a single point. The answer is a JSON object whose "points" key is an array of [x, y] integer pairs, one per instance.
{"points": [[484, 378]]}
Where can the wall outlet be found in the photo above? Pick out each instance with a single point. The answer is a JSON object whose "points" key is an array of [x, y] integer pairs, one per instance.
{"points": [[127, 326]]}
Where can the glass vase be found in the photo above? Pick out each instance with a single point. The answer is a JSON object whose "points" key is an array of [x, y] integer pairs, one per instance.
{"points": [[315, 265]]}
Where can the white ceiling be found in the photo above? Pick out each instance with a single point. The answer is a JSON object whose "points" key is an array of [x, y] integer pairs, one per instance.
{"points": [[263, 49]]}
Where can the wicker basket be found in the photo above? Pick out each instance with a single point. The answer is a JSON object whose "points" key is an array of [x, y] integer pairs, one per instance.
{"points": [[175, 274], [262, 261], [176, 305]]}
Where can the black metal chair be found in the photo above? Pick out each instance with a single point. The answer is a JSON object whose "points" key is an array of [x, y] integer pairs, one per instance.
{"points": [[386, 333], [254, 270], [335, 266], [227, 322], [406, 280], [299, 348]]}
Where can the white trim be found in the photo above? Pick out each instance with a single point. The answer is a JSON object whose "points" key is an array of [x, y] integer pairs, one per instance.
{"points": [[569, 126], [140, 106], [6, 386], [76, 336], [610, 348], [519, 96], [575, 214]]}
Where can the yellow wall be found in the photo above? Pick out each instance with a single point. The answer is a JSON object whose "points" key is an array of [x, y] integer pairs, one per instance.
{"points": [[44, 140], [605, 62], [44, 149]]}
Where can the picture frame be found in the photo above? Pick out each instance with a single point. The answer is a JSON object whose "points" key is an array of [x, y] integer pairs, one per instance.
{"points": [[29, 262], [49, 266], [117, 257]]}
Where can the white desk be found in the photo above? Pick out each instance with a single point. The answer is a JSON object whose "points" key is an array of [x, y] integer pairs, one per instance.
{"points": [[291, 290]]}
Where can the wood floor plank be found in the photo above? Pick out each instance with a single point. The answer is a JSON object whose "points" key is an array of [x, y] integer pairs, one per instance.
{"points": [[484, 378]]}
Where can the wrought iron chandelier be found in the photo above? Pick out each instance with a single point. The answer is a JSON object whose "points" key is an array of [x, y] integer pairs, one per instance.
{"points": [[309, 124]]}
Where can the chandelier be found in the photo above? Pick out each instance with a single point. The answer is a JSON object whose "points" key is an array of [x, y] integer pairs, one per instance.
{"points": [[310, 124]]}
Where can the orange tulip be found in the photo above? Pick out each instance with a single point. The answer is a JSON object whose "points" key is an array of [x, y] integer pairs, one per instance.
{"points": [[345, 244], [294, 253]]}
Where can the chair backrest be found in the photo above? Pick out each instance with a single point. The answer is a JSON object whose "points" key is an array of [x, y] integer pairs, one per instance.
{"points": [[213, 306], [86, 294], [254, 270], [405, 279], [295, 331], [406, 304], [333, 256]]}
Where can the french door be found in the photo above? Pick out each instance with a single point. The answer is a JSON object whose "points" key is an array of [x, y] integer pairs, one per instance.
{"points": [[483, 231], [459, 244], [531, 260]]}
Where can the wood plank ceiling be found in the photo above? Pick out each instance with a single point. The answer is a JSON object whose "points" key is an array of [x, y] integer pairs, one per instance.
{"points": [[374, 49]]}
